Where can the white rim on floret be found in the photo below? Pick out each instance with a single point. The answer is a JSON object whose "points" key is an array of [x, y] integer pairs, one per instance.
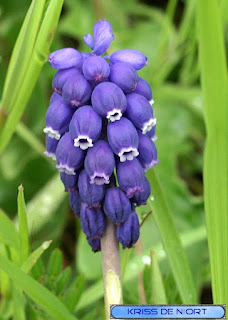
{"points": [[50, 155], [83, 145], [128, 154], [147, 126], [99, 178], [54, 134], [154, 138], [151, 165], [151, 102], [114, 115], [64, 168]]}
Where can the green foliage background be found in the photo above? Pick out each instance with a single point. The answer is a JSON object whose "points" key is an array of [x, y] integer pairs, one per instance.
{"points": [[167, 33]]}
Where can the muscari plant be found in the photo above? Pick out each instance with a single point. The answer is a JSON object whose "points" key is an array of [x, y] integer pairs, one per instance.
{"points": [[100, 119]]}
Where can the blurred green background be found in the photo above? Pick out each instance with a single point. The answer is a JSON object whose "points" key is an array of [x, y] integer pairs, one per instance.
{"points": [[165, 31]]}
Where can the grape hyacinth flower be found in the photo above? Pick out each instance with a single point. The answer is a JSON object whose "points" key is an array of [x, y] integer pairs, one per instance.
{"points": [[100, 129]]}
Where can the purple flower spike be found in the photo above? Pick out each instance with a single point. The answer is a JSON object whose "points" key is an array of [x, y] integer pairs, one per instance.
{"points": [[68, 157], [134, 57], [76, 91], [100, 163], [91, 194], [51, 145], [88, 39], [123, 139], [116, 205], [55, 96], [128, 232], [103, 36], [130, 176], [92, 222], [96, 69], [151, 134], [75, 203], [58, 118], [144, 89], [147, 152], [70, 181], [140, 112], [109, 100], [61, 77], [124, 75], [65, 58], [95, 244], [85, 127], [141, 198]]}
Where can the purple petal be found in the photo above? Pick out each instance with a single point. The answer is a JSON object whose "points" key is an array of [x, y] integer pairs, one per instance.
{"points": [[70, 182], [61, 77], [124, 75], [103, 36], [88, 39], [134, 57], [96, 69], [144, 89], [147, 152], [128, 232], [75, 203], [65, 58], [51, 145], [55, 96], [141, 198]]}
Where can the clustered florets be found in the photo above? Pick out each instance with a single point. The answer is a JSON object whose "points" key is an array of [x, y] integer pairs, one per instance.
{"points": [[101, 118]]}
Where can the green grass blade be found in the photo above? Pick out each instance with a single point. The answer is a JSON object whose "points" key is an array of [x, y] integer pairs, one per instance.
{"points": [[8, 232], [38, 58], [23, 225], [18, 304], [171, 241], [215, 93], [158, 295], [39, 294], [4, 279]]}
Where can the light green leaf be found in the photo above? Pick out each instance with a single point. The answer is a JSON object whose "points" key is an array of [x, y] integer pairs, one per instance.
{"points": [[158, 295], [74, 293], [54, 266], [18, 304], [8, 232]]}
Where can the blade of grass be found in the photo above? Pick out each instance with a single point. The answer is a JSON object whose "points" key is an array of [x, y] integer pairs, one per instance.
{"points": [[8, 232], [18, 304], [23, 225], [4, 279], [38, 58], [158, 295], [39, 294], [215, 93]]}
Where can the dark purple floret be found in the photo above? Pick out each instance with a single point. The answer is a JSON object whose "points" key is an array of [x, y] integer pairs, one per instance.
{"points": [[144, 89], [96, 69], [85, 127], [51, 145], [124, 75], [123, 139], [141, 198], [55, 96], [61, 77], [69, 158], [65, 58], [75, 203], [116, 205], [91, 194], [70, 181], [134, 57], [147, 152], [92, 222], [109, 100], [128, 232], [140, 112], [58, 118], [103, 36], [95, 244], [100, 163], [76, 91], [130, 176]]}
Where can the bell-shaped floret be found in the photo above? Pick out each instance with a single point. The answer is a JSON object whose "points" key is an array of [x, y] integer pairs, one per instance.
{"points": [[100, 163], [75, 203], [95, 69], [65, 58], [85, 127], [76, 91], [91, 194], [55, 96], [51, 145], [69, 158], [124, 75], [151, 134], [140, 112], [128, 232], [116, 205], [134, 57], [123, 139], [130, 176], [61, 77], [147, 152], [109, 100], [70, 181], [141, 197], [92, 222], [58, 118], [143, 88], [103, 36]]}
